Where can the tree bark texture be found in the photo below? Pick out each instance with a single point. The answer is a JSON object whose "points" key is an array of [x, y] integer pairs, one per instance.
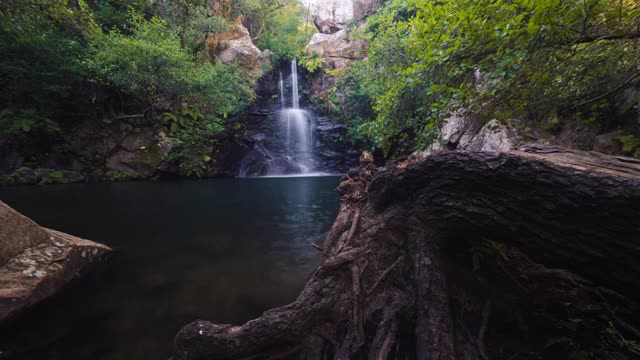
{"points": [[462, 255]]}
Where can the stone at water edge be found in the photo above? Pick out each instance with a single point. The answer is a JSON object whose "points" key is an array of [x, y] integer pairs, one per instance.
{"points": [[17, 233], [36, 263]]}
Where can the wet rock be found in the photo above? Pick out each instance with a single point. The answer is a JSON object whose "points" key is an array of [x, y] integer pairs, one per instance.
{"points": [[17, 233], [53, 176], [607, 143], [36, 263], [22, 176], [140, 154], [138, 140]]}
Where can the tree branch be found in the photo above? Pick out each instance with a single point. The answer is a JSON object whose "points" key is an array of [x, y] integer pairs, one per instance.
{"points": [[606, 37]]}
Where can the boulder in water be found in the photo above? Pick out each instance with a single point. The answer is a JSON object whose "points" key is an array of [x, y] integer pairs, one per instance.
{"points": [[36, 262]]}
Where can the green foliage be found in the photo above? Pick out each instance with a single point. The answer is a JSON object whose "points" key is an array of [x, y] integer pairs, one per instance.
{"points": [[284, 33], [183, 119], [613, 337], [52, 177], [115, 175], [630, 145], [191, 22], [114, 14], [489, 251], [195, 137], [311, 62], [152, 65], [40, 44], [23, 123], [583, 335], [495, 59]]}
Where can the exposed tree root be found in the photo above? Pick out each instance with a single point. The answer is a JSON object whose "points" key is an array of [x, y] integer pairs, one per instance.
{"points": [[400, 277]]}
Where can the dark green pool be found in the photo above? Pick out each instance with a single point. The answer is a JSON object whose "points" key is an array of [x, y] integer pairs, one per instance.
{"points": [[222, 250]]}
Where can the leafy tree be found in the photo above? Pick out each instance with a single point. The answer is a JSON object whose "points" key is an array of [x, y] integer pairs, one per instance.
{"points": [[524, 58], [191, 21], [152, 65], [114, 14], [277, 25], [40, 43]]}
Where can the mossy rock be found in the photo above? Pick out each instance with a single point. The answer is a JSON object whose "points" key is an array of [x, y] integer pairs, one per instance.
{"points": [[52, 176], [22, 176]]}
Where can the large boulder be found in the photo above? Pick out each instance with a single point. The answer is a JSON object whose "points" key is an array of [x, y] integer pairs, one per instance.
{"points": [[608, 143], [338, 51], [22, 176], [138, 154], [332, 16], [52, 176], [17, 233], [336, 48], [36, 263], [459, 132], [236, 45]]}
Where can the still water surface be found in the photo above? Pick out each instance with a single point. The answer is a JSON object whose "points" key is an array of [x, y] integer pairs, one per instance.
{"points": [[221, 250]]}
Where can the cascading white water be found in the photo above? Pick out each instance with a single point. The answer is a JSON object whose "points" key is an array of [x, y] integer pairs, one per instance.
{"points": [[294, 83], [281, 88], [298, 129], [299, 138]]}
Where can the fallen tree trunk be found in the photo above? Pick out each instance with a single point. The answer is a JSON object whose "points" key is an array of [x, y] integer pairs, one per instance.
{"points": [[460, 255]]}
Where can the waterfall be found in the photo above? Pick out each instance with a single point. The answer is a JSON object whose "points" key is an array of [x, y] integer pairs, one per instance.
{"points": [[297, 129], [281, 87], [290, 146], [299, 138], [294, 83]]}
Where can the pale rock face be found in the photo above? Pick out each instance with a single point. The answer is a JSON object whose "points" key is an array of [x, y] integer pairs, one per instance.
{"points": [[331, 16], [462, 133], [237, 46], [336, 48]]}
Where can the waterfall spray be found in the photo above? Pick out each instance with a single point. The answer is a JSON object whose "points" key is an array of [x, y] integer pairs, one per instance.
{"points": [[294, 83], [281, 87]]}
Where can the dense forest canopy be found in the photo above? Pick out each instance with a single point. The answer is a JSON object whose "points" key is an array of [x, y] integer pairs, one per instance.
{"points": [[533, 60], [67, 61], [543, 62]]}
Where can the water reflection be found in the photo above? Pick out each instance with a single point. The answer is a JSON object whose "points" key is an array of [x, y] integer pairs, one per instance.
{"points": [[223, 250]]}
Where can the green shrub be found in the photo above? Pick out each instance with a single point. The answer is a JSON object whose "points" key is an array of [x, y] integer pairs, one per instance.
{"points": [[495, 59], [630, 145]]}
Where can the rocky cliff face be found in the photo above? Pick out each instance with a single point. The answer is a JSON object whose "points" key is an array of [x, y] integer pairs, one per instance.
{"points": [[236, 45], [332, 16], [332, 42], [336, 48]]}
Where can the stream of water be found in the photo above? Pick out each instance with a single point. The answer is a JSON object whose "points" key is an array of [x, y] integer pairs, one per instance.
{"points": [[221, 250], [298, 129]]}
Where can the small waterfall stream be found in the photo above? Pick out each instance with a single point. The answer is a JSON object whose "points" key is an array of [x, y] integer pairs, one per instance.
{"points": [[294, 84], [288, 145], [298, 128], [281, 88]]}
